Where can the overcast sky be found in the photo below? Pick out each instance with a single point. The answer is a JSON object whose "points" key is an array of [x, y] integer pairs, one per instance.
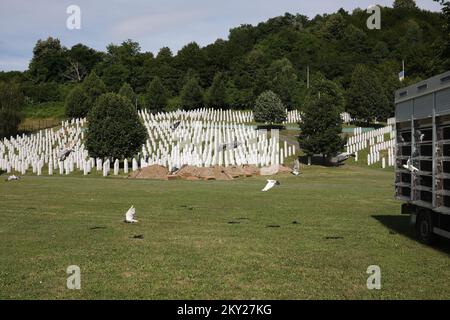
{"points": [[153, 23]]}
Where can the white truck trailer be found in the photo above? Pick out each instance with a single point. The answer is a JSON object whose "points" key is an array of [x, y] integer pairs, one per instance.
{"points": [[422, 171]]}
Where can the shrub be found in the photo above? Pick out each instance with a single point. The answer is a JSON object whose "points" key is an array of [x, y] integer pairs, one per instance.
{"points": [[115, 129], [269, 108]]}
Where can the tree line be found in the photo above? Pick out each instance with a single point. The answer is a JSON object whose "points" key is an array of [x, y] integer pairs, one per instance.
{"points": [[275, 55]]}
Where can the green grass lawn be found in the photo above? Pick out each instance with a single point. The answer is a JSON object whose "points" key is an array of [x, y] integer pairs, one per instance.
{"points": [[191, 250]]}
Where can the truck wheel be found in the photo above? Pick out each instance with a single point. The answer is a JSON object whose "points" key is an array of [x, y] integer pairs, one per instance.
{"points": [[424, 227]]}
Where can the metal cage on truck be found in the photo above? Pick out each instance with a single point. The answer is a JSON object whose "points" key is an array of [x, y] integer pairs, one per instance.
{"points": [[422, 115]]}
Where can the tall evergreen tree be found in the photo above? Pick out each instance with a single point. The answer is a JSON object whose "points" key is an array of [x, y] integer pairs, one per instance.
{"points": [[156, 96], [81, 98], [445, 50], [366, 98], [283, 81], [75, 104], [11, 101], [93, 87], [192, 95], [321, 123], [127, 92], [217, 93]]}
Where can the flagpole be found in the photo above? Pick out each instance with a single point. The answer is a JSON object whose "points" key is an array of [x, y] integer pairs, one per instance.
{"points": [[403, 63], [307, 77]]}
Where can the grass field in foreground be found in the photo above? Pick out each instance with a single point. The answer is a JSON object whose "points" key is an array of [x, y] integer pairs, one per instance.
{"points": [[191, 250]]}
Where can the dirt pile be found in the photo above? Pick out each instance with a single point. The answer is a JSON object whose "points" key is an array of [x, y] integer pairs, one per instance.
{"points": [[274, 170], [192, 173], [154, 172], [195, 173]]}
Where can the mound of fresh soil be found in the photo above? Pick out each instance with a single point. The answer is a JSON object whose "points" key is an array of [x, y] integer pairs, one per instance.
{"points": [[154, 172], [195, 173], [191, 173], [274, 170]]}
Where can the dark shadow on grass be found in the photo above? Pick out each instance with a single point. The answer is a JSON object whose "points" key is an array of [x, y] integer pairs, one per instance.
{"points": [[400, 225], [97, 228], [270, 127], [368, 125], [319, 161]]}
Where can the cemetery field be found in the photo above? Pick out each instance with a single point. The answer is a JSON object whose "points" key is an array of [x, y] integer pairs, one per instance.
{"points": [[312, 237]]}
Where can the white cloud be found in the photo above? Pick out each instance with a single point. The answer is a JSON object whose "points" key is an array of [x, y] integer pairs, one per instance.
{"points": [[159, 22]]}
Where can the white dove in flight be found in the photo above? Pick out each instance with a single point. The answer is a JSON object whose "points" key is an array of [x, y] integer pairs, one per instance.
{"points": [[408, 166], [130, 215], [270, 184]]}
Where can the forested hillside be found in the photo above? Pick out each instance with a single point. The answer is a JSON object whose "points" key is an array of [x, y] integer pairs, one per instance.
{"points": [[273, 55]]}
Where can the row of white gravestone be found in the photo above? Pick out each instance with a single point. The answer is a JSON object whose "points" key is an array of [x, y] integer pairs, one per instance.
{"points": [[22, 152], [346, 117], [362, 140], [201, 143], [374, 140], [375, 156], [292, 116], [219, 115], [195, 142], [215, 115]]}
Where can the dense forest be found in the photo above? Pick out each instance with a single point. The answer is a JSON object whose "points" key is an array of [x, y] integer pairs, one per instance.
{"points": [[274, 55]]}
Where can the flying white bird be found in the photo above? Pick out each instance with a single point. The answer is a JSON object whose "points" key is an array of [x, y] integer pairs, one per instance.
{"points": [[130, 215], [270, 184], [296, 169], [12, 178], [63, 154], [230, 146], [175, 125], [420, 136], [408, 166]]}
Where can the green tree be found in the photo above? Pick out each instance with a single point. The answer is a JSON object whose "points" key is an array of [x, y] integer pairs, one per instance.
{"points": [[269, 108], [11, 101], [321, 123], [114, 74], [156, 96], [445, 50], [404, 4], [75, 105], [49, 61], [115, 129], [321, 86], [81, 61], [127, 92], [366, 98], [217, 94], [192, 95], [334, 27], [82, 98], [93, 87], [283, 81]]}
